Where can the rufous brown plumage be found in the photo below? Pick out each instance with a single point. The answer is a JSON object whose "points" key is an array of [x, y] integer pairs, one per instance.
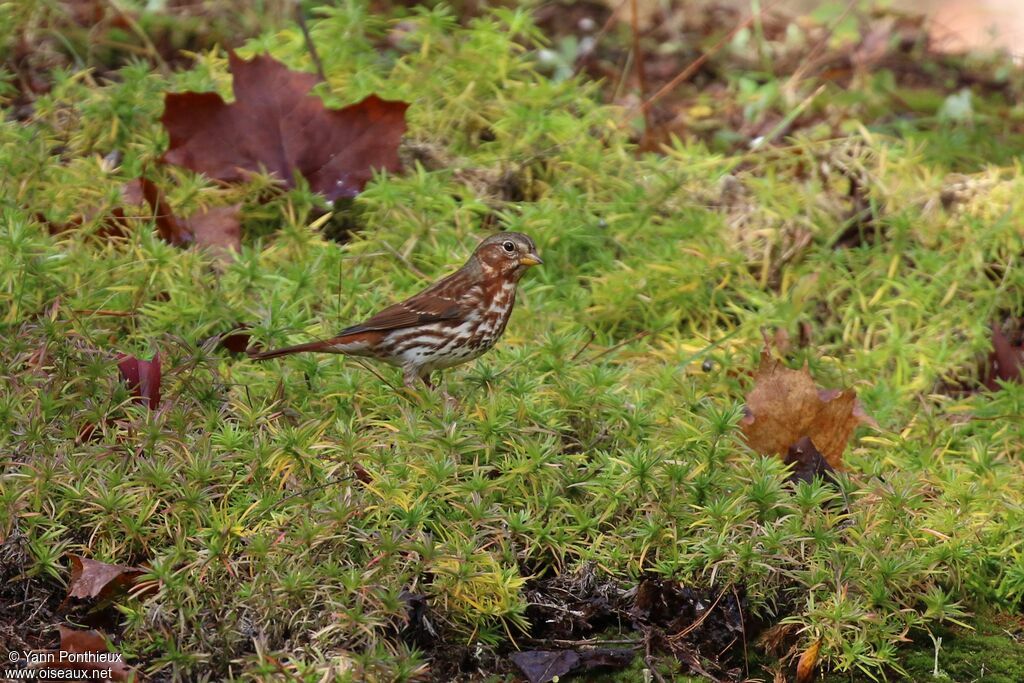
{"points": [[453, 321]]}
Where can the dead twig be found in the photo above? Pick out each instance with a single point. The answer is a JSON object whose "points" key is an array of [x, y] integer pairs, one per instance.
{"points": [[809, 58], [649, 659], [695, 65], [700, 620], [583, 348], [624, 342], [638, 62], [743, 632], [609, 22], [300, 18]]}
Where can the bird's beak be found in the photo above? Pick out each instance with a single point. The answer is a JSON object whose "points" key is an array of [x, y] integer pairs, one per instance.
{"points": [[531, 260]]}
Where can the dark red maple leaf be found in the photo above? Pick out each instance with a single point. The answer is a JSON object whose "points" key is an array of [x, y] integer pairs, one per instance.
{"points": [[276, 125]]}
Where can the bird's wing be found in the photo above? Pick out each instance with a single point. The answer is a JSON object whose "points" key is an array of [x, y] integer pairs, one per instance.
{"points": [[419, 310]]}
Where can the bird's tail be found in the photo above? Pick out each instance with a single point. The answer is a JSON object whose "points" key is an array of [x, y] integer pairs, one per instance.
{"points": [[288, 350]]}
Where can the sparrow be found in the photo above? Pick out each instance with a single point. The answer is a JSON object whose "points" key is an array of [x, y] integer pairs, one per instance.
{"points": [[453, 321]]}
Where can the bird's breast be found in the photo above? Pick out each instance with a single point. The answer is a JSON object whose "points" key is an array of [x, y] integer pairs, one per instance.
{"points": [[444, 344], [495, 311]]}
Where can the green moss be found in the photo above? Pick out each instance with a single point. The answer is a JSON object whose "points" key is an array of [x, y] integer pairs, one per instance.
{"points": [[991, 651], [591, 434]]}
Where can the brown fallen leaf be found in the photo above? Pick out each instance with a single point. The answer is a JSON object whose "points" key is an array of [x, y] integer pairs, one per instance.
{"points": [[361, 473], [1005, 361], [808, 662], [94, 579], [276, 125], [142, 378], [93, 654], [807, 462], [785, 405], [543, 666], [235, 340], [219, 228]]}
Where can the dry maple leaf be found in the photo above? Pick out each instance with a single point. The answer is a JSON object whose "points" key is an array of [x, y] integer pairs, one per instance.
{"points": [[276, 125], [93, 579], [785, 405]]}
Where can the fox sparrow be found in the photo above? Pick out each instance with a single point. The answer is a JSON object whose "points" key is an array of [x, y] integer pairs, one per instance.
{"points": [[450, 322]]}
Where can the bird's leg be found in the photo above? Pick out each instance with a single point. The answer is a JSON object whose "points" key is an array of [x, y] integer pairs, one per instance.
{"points": [[414, 378], [448, 398], [409, 377], [424, 376]]}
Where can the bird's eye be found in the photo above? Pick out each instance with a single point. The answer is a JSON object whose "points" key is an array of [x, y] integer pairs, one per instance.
{"points": [[509, 247]]}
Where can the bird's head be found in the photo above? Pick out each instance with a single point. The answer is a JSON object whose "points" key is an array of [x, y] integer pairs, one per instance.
{"points": [[507, 255]]}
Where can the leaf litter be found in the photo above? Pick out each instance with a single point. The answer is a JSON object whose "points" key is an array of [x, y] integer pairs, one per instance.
{"points": [[276, 125], [87, 642], [1006, 359], [95, 579], [592, 618], [218, 228], [785, 406], [142, 378]]}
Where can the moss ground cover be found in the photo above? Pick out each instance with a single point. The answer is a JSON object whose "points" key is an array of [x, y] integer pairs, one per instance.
{"points": [[287, 514]]}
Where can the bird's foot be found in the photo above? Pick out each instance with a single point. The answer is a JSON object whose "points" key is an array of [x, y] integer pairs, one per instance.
{"points": [[448, 399]]}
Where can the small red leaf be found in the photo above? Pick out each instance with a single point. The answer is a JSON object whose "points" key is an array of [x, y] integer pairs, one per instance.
{"points": [[275, 125], [1004, 362], [142, 378], [235, 341], [219, 228]]}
